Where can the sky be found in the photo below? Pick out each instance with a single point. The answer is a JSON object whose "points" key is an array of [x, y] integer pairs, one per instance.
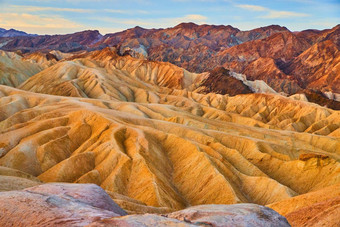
{"points": [[109, 16]]}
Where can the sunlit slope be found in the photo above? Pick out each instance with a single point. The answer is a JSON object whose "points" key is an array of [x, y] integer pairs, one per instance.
{"points": [[104, 74], [15, 69], [166, 147], [317, 208]]}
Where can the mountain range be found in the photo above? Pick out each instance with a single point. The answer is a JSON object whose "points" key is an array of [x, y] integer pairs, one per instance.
{"points": [[13, 33], [289, 62], [141, 128]]}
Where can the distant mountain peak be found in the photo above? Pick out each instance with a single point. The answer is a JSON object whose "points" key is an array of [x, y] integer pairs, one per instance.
{"points": [[13, 33], [88, 32], [273, 27], [337, 26], [139, 27], [186, 25]]}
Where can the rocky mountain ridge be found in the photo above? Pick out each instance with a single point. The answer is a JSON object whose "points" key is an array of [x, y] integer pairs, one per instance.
{"points": [[111, 137], [157, 140], [289, 62], [13, 33]]}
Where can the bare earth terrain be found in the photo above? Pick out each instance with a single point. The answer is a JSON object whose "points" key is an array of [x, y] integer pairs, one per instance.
{"points": [[158, 138]]}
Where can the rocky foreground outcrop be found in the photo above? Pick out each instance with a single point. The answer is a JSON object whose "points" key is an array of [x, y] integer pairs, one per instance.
{"points": [[61, 204], [317, 208]]}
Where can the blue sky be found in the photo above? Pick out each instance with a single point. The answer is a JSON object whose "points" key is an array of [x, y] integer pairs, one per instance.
{"points": [[108, 16]]}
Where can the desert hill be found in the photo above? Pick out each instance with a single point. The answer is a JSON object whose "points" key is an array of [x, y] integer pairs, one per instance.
{"points": [[158, 138], [65, 43], [108, 120], [17, 68], [289, 62]]}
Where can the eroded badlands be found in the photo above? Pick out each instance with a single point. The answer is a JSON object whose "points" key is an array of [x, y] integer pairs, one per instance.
{"points": [[142, 131]]}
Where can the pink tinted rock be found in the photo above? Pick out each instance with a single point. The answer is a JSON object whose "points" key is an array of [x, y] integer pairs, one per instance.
{"points": [[141, 220], [231, 215], [205, 215], [90, 194], [55, 205]]}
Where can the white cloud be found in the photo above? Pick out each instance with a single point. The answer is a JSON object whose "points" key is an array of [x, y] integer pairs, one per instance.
{"points": [[56, 24], [270, 13], [157, 23], [253, 7], [56, 9], [107, 30], [193, 17], [129, 12], [116, 11], [24, 9], [283, 14], [51, 24]]}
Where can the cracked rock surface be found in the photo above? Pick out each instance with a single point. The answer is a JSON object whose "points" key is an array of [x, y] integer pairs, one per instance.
{"points": [[62, 204]]}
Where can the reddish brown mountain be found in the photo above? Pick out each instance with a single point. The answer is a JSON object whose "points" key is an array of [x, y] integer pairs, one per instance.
{"points": [[290, 62], [65, 43], [220, 81], [318, 67], [280, 46], [187, 45], [265, 69]]}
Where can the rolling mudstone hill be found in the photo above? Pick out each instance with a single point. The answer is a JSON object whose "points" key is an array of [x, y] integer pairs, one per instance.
{"points": [[305, 62], [157, 140]]}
